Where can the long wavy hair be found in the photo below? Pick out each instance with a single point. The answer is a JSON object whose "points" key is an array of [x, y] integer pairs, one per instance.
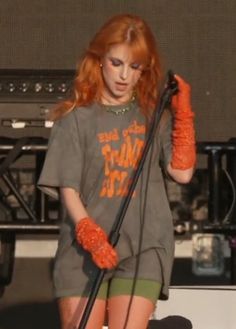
{"points": [[88, 83]]}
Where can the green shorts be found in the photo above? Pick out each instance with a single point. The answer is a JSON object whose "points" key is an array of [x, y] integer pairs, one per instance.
{"points": [[118, 287]]}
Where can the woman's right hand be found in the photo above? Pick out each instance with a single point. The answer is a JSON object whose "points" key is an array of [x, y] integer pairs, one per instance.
{"points": [[93, 239]]}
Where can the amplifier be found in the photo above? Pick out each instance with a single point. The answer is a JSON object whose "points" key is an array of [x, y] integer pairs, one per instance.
{"points": [[26, 98]]}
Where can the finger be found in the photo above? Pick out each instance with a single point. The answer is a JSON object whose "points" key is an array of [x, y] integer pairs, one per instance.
{"points": [[179, 78], [107, 258], [110, 261], [182, 83]]}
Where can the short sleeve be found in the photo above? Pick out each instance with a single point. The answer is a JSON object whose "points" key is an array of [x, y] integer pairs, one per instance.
{"points": [[63, 162], [165, 138]]}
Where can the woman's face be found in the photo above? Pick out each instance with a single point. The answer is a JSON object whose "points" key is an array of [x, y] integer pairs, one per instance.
{"points": [[120, 74]]}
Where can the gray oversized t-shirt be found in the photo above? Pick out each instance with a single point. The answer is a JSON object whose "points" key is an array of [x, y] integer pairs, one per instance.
{"points": [[95, 152]]}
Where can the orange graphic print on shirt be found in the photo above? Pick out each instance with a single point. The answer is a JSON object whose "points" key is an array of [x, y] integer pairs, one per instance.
{"points": [[118, 161]]}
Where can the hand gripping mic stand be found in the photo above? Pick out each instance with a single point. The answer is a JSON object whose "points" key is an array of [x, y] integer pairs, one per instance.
{"points": [[170, 89]]}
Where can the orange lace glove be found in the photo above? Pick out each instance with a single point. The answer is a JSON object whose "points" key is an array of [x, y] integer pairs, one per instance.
{"points": [[94, 240], [183, 134]]}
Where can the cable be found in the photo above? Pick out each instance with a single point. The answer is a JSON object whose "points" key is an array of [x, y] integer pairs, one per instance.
{"points": [[227, 217], [142, 222], [173, 85]]}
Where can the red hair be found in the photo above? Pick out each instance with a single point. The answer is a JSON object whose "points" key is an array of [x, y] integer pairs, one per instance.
{"points": [[88, 83]]}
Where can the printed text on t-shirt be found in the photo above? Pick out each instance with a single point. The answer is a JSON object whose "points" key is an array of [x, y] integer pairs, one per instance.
{"points": [[117, 160]]}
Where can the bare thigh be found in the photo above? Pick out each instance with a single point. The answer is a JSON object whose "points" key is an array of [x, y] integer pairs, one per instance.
{"points": [[140, 311], [71, 310]]}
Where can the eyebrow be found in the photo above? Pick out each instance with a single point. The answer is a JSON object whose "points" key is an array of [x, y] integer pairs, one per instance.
{"points": [[115, 59], [119, 60]]}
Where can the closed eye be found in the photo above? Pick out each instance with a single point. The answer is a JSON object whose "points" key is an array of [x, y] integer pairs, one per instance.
{"points": [[135, 66], [115, 62]]}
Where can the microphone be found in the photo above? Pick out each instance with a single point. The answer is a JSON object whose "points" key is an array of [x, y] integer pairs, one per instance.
{"points": [[172, 82]]}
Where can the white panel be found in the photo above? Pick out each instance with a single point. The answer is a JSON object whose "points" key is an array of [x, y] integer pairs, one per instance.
{"points": [[205, 307]]}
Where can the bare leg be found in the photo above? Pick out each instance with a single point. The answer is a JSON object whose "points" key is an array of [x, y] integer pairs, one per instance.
{"points": [[71, 310], [139, 314]]}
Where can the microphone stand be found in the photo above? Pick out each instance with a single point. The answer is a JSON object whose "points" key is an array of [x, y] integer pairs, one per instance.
{"points": [[165, 99]]}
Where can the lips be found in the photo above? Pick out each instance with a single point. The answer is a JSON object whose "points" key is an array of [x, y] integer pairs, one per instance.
{"points": [[121, 86]]}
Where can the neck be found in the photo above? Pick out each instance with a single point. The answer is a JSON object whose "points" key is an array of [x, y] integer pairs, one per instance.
{"points": [[120, 108], [109, 100]]}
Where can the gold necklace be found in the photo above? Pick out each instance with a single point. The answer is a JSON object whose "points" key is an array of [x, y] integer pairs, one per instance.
{"points": [[121, 108]]}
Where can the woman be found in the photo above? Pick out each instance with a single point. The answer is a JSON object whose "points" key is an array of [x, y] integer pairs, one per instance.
{"points": [[95, 144]]}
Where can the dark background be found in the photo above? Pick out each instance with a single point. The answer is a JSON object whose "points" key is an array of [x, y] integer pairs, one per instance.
{"points": [[196, 39]]}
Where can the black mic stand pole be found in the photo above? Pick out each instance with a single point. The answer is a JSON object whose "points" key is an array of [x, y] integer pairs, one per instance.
{"points": [[169, 91]]}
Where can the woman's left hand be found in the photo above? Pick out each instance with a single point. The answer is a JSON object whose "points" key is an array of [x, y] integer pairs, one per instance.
{"points": [[183, 133], [181, 101]]}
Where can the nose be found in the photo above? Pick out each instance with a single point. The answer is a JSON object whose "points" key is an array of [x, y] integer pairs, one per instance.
{"points": [[124, 72]]}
